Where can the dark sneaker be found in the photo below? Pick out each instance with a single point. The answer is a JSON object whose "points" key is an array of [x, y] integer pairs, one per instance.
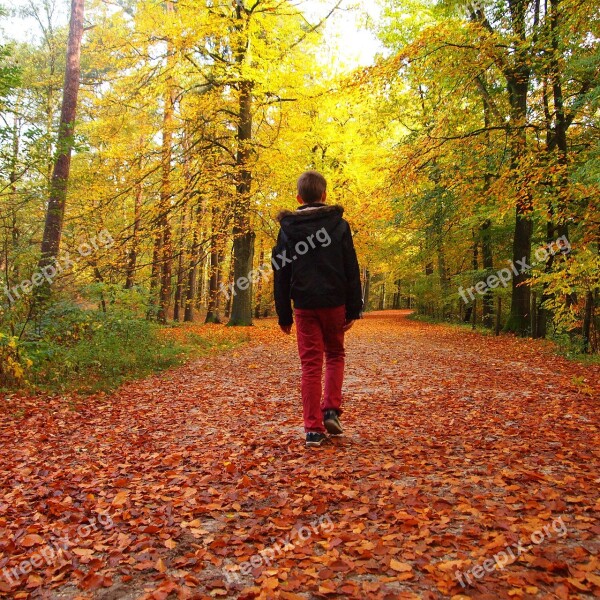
{"points": [[332, 422], [315, 438]]}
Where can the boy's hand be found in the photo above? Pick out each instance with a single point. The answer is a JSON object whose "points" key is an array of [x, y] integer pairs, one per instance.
{"points": [[287, 329], [348, 325]]}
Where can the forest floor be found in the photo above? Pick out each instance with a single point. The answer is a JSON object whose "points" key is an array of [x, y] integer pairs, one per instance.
{"points": [[466, 459]]}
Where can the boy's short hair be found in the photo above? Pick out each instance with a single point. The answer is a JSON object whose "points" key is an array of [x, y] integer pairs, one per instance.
{"points": [[311, 186]]}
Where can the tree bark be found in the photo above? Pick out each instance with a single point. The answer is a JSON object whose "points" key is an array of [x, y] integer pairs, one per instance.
{"points": [[214, 289], [366, 288], [518, 321], [259, 287], [179, 287], [243, 236], [154, 276], [488, 265], [133, 250], [55, 211], [517, 74], [588, 319], [165, 192]]}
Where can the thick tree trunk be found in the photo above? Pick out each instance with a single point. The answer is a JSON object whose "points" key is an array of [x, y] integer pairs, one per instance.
{"points": [[588, 319], [519, 321], [517, 73], [243, 236], [55, 211]]}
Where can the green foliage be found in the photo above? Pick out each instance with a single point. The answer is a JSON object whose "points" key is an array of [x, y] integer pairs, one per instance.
{"points": [[10, 74], [13, 360], [72, 348]]}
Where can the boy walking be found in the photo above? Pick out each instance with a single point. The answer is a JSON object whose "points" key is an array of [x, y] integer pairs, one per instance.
{"points": [[315, 266]]}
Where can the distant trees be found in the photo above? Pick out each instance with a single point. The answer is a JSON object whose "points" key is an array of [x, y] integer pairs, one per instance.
{"points": [[496, 106]]}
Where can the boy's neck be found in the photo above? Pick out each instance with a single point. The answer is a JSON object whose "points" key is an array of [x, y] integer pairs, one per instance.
{"points": [[306, 205]]}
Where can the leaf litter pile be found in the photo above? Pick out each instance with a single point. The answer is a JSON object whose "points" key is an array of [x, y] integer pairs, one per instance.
{"points": [[196, 483]]}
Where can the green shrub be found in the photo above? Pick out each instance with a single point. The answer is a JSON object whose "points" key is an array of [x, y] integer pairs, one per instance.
{"points": [[71, 348]]}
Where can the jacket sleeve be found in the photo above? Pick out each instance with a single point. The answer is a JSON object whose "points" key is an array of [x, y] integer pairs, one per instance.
{"points": [[354, 301], [282, 278]]}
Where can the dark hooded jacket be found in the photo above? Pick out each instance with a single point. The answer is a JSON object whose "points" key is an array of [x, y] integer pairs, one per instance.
{"points": [[315, 263]]}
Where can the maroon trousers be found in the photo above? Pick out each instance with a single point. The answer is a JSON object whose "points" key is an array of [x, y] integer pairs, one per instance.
{"points": [[320, 331]]}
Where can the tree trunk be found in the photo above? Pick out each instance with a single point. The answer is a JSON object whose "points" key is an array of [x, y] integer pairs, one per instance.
{"points": [[190, 294], [440, 253], [137, 210], [517, 73], [366, 288], [488, 265], [259, 287], [588, 318], [55, 211], [243, 236], [475, 265], [214, 289], [397, 296], [179, 288], [518, 321], [192, 278], [165, 191], [154, 277], [382, 296], [487, 312], [12, 222]]}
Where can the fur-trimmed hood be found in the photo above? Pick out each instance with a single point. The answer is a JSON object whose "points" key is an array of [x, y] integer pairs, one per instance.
{"points": [[311, 211], [308, 219]]}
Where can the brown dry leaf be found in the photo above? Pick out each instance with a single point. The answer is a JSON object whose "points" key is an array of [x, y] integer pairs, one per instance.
{"points": [[401, 567], [85, 552], [120, 499], [31, 539], [34, 581], [160, 566]]}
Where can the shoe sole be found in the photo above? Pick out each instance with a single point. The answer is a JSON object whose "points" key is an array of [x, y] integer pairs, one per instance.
{"points": [[316, 444], [333, 427]]}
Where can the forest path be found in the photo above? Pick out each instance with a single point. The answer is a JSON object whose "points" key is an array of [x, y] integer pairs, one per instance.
{"points": [[458, 448]]}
